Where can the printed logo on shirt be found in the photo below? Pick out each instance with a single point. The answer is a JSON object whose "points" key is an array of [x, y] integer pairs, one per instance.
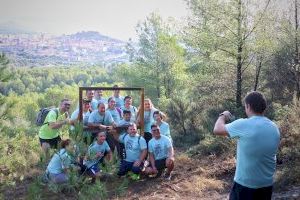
{"points": [[157, 149], [129, 144]]}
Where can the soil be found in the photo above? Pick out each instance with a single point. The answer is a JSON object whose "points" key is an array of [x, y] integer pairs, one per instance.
{"points": [[193, 178]]}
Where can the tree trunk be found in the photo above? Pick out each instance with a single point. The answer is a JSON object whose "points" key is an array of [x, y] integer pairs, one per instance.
{"points": [[258, 69], [296, 58], [239, 57]]}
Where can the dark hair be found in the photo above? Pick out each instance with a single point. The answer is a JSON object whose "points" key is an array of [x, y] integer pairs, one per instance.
{"points": [[154, 126], [99, 133], [63, 100], [65, 143], [161, 114], [110, 98], [256, 101], [127, 97], [126, 112]]}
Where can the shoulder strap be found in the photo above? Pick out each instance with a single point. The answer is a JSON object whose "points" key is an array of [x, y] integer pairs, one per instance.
{"points": [[125, 135], [56, 111]]}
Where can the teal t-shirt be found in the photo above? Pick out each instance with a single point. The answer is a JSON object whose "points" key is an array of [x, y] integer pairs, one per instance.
{"points": [[123, 123], [94, 104], [165, 130], [134, 145], [102, 100], [119, 101], [160, 147], [115, 114], [148, 120], [133, 111], [96, 118], [60, 161], [257, 145], [94, 148], [85, 117]]}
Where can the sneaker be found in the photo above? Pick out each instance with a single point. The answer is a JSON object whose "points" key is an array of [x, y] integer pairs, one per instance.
{"points": [[167, 177]]}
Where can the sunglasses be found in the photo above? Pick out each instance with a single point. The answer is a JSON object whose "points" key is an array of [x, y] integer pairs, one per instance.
{"points": [[155, 130]]}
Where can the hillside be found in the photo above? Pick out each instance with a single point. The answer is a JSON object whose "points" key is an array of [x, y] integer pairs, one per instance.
{"points": [[40, 49]]}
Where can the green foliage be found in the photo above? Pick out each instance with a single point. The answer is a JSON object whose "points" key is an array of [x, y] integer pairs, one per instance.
{"points": [[213, 145], [289, 153], [93, 192]]}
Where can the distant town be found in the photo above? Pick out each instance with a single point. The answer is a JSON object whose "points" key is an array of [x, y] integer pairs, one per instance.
{"points": [[82, 48]]}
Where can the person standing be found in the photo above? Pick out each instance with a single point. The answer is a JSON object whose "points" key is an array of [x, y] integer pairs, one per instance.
{"points": [[49, 131], [258, 139], [118, 98], [129, 107], [164, 127]]}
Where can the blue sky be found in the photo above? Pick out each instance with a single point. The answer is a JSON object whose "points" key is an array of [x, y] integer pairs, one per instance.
{"points": [[116, 18]]}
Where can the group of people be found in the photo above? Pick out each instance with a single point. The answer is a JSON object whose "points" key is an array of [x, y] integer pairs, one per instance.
{"points": [[108, 125], [113, 124]]}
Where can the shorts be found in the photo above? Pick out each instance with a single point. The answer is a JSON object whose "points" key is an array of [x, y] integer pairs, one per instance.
{"points": [[126, 166], [160, 164], [52, 142], [244, 193]]}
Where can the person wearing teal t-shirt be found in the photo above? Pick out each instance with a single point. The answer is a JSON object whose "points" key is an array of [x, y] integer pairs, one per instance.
{"points": [[164, 127], [258, 139], [95, 155], [90, 96], [161, 153], [129, 107], [135, 151], [101, 120], [115, 112], [57, 169], [99, 97], [49, 131], [118, 98], [149, 109], [86, 111]]}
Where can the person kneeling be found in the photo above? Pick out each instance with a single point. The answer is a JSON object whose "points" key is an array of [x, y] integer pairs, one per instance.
{"points": [[95, 155], [59, 164], [135, 151], [161, 154]]}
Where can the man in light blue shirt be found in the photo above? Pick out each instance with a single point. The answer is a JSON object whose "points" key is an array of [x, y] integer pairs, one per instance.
{"points": [[101, 120], [135, 151], [99, 97], [90, 96], [161, 153], [119, 99], [258, 140], [129, 107]]}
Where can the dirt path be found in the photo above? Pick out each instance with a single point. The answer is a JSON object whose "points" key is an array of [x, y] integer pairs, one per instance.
{"points": [[207, 178]]}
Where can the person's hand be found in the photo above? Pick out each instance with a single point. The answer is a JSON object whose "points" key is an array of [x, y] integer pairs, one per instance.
{"points": [[228, 116], [169, 161], [155, 171], [137, 163], [99, 154]]}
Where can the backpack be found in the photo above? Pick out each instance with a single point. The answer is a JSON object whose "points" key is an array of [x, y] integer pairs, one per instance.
{"points": [[42, 114], [119, 111]]}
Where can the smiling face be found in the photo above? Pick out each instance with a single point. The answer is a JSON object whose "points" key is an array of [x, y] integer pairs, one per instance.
{"points": [[101, 137], [101, 108], [147, 105], [128, 102], [86, 106], [112, 104], [155, 132], [157, 117], [90, 94], [65, 106], [132, 130]]}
